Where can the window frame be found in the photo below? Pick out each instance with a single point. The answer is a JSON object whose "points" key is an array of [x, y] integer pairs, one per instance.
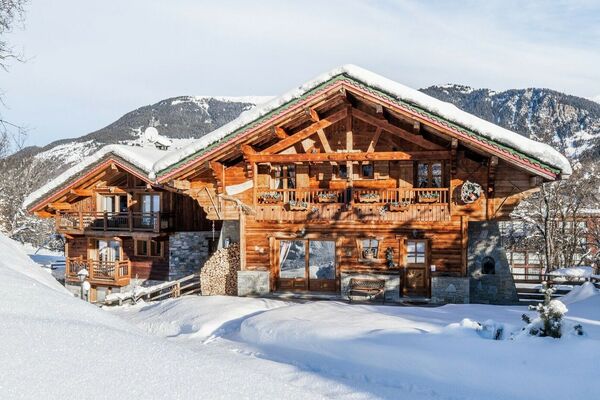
{"points": [[430, 175], [361, 248], [416, 253], [148, 245]]}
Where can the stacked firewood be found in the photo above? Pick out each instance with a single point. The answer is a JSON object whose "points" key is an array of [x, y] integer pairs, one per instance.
{"points": [[218, 276]]}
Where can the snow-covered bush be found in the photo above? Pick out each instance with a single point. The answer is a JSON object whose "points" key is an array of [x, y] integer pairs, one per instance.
{"points": [[550, 315]]}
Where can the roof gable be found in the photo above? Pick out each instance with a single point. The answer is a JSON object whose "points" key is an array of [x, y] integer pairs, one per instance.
{"points": [[543, 159]]}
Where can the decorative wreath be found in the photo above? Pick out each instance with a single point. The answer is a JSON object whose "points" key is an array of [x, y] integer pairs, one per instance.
{"points": [[470, 192]]}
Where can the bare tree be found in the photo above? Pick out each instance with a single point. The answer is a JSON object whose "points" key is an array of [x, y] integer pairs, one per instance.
{"points": [[555, 222], [11, 12]]}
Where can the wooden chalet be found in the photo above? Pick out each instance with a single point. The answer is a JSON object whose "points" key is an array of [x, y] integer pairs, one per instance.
{"points": [[350, 177]]}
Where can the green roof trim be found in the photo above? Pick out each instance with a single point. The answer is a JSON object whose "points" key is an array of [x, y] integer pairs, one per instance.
{"points": [[378, 92]]}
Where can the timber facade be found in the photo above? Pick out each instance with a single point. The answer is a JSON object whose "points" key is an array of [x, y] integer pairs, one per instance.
{"points": [[343, 182]]}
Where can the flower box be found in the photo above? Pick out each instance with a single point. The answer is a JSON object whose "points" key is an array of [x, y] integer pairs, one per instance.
{"points": [[270, 198], [369, 198], [398, 207], [429, 198], [327, 198], [297, 205]]}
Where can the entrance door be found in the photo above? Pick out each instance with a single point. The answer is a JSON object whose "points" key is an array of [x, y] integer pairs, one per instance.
{"points": [[416, 271], [307, 265]]}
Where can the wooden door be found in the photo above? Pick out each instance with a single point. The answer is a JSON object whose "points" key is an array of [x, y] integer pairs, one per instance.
{"points": [[416, 268]]}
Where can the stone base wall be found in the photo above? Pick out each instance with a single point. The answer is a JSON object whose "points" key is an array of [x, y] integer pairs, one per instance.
{"points": [[450, 289], [392, 284], [188, 251], [486, 254], [253, 283], [101, 291]]}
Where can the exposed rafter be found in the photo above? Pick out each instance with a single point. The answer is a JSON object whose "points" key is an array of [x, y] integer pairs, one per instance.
{"points": [[374, 140], [395, 130], [306, 132]]}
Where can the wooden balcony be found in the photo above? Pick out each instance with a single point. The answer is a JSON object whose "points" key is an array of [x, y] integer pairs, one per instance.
{"points": [[79, 222], [384, 205], [108, 273]]}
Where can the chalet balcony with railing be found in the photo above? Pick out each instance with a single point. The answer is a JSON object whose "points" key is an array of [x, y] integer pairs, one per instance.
{"points": [[385, 205], [108, 273], [80, 222]]}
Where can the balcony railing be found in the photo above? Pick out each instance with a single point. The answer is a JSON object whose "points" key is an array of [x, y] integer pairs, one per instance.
{"points": [[394, 205], [117, 273], [110, 221]]}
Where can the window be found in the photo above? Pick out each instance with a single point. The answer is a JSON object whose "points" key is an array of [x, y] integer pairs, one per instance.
{"points": [[341, 171], [533, 258], [415, 251], [321, 259], [107, 250], [292, 259], [149, 248], [366, 171], [112, 204], [369, 248], [429, 175], [283, 177]]}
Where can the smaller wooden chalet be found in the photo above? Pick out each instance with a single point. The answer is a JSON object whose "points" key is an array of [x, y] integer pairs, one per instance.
{"points": [[349, 177]]}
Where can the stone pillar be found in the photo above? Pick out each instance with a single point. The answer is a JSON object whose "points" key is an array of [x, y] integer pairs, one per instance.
{"points": [[450, 289], [491, 281], [188, 251]]}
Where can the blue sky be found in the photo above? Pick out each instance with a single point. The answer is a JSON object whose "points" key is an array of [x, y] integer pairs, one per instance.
{"points": [[90, 62]]}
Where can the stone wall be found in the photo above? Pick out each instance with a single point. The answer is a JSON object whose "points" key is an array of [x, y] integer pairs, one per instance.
{"points": [[230, 231], [392, 284], [188, 251], [485, 252], [450, 289], [253, 283]]}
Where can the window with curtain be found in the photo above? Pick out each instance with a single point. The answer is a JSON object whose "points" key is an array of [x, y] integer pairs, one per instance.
{"points": [[429, 174]]}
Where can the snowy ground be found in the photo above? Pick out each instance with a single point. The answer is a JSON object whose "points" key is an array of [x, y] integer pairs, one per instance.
{"points": [[387, 351], [53, 345]]}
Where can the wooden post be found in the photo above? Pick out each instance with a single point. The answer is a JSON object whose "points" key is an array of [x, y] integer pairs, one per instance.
{"points": [[81, 227], [130, 219], [464, 228], [105, 220]]}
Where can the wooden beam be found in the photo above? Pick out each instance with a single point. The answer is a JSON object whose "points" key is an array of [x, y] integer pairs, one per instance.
{"points": [[280, 132], [349, 145], [43, 214], [348, 156], [453, 159], [60, 206], [306, 132], [374, 140], [379, 110], [218, 171], [247, 149], [491, 186], [82, 192], [417, 128], [324, 141], [312, 114], [396, 130]]}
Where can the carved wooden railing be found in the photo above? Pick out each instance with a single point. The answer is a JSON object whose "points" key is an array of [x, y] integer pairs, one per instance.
{"points": [[106, 272], [398, 204], [111, 221]]}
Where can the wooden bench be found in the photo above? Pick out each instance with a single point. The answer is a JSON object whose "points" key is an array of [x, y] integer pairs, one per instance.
{"points": [[366, 287]]}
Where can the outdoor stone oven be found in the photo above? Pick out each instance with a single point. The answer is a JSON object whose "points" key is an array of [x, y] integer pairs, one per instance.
{"points": [[491, 281]]}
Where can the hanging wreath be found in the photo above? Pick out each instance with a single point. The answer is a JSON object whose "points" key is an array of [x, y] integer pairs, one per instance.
{"points": [[470, 192]]}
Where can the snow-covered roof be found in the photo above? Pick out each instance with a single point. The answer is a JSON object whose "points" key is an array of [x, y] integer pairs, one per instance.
{"points": [[539, 151], [156, 162], [142, 158]]}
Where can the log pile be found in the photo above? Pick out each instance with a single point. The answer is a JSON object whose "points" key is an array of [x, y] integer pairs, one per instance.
{"points": [[218, 276]]}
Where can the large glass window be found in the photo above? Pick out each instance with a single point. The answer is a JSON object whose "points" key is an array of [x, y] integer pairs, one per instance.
{"points": [[108, 250], [429, 175], [415, 251], [292, 259], [321, 261]]}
